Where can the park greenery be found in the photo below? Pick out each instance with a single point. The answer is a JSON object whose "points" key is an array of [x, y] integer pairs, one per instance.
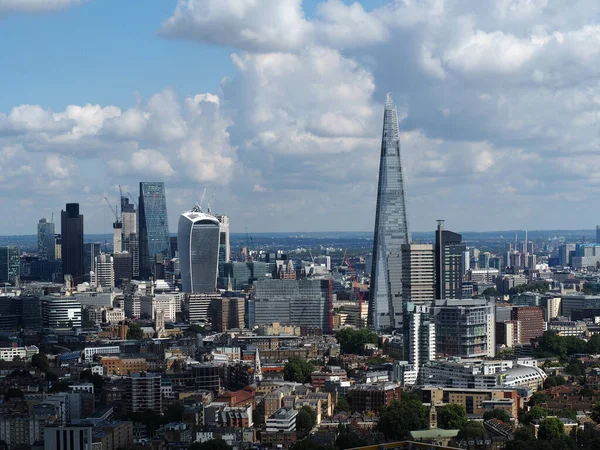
{"points": [[537, 286], [135, 331], [401, 417], [452, 416], [297, 370], [353, 341], [550, 344], [306, 420]]}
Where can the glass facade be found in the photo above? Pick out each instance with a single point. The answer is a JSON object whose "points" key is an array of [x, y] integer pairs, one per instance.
{"points": [[391, 229], [10, 265], [45, 240], [71, 229], [153, 226], [198, 237]]}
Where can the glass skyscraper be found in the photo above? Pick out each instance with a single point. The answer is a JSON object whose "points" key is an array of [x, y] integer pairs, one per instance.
{"points": [[391, 229], [45, 240], [198, 237], [10, 265], [72, 242], [153, 225]]}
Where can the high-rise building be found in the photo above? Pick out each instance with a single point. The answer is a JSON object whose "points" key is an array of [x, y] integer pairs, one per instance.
{"points": [[421, 335], [464, 328], [597, 234], [45, 240], [224, 248], [530, 323], [449, 251], [123, 266], [227, 313], [293, 302], [153, 226], [418, 272], [142, 393], [72, 242], [198, 239], [90, 251], [197, 306], [104, 271], [10, 265], [391, 229], [61, 312], [58, 246]]}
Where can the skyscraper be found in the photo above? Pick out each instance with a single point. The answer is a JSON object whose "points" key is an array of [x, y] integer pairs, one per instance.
{"points": [[72, 242], [391, 229], [449, 251], [154, 227], [418, 273], [104, 271], [45, 239], [198, 238], [10, 265]]}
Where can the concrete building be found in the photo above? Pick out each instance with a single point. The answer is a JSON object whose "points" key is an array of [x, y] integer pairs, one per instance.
{"points": [[476, 401], [449, 270], [488, 275], [68, 438], [418, 273], [422, 335], [104, 272], [530, 323], [372, 397], [282, 421], [227, 313], [142, 392], [12, 353], [551, 308], [197, 306]]}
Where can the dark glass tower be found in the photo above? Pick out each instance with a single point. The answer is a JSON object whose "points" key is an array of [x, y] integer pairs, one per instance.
{"points": [[391, 229], [448, 263], [72, 242], [154, 227]]}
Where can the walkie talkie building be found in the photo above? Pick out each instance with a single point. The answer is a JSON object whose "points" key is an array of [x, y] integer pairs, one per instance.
{"points": [[391, 229]]}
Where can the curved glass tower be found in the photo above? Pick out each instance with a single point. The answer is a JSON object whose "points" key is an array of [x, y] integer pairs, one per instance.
{"points": [[391, 229], [154, 226], [198, 237]]}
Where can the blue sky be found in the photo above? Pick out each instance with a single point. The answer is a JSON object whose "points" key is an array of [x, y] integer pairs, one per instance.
{"points": [[275, 107]]}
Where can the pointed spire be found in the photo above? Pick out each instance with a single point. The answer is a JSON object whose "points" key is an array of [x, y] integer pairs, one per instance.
{"points": [[257, 366]]}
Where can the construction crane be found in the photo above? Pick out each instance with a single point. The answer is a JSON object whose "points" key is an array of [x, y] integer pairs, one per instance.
{"points": [[114, 211], [360, 294], [134, 202], [120, 195]]}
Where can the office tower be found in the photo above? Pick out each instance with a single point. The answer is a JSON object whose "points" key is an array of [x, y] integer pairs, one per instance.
{"points": [[123, 266], [58, 246], [198, 238], [597, 234], [303, 302], [117, 236], [61, 312], [45, 240], [174, 246], [418, 273], [530, 323], [449, 251], [142, 393], [391, 229], [466, 256], [198, 306], [227, 313], [421, 335], [224, 248], [10, 265], [104, 271], [90, 251], [153, 226], [484, 260], [464, 328], [72, 242]]}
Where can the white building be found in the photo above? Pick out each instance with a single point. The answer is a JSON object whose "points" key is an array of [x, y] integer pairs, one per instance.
{"points": [[198, 239], [165, 303], [61, 312], [421, 335], [104, 272], [283, 420], [89, 352], [10, 353]]}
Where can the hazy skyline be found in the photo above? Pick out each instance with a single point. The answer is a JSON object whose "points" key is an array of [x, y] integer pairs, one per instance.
{"points": [[276, 107]]}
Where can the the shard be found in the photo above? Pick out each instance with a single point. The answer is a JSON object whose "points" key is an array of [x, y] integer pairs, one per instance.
{"points": [[391, 229]]}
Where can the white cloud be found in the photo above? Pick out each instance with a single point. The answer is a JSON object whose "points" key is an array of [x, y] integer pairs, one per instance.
{"points": [[36, 6]]}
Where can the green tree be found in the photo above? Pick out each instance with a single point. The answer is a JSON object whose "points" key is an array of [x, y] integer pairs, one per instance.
{"points": [[135, 331], [452, 416], [342, 405], [552, 381], [213, 444], [13, 393], [551, 428], [538, 398], [550, 343], [534, 413], [401, 417], [40, 361], [490, 292], [593, 345], [471, 430], [306, 419], [497, 413], [348, 440], [298, 370], [353, 341], [194, 329], [595, 415], [576, 369]]}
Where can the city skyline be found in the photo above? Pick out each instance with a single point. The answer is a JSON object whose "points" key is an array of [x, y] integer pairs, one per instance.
{"points": [[288, 118]]}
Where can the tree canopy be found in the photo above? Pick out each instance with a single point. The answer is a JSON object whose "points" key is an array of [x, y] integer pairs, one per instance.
{"points": [[306, 419], [353, 341], [471, 430], [551, 344], [213, 444], [401, 417], [135, 331], [298, 370], [534, 413], [452, 416], [342, 405], [536, 286], [551, 428], [497, 413]]}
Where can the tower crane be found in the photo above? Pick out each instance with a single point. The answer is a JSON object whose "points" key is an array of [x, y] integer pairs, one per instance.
{"points": [[134, 202], [114, 211]]}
